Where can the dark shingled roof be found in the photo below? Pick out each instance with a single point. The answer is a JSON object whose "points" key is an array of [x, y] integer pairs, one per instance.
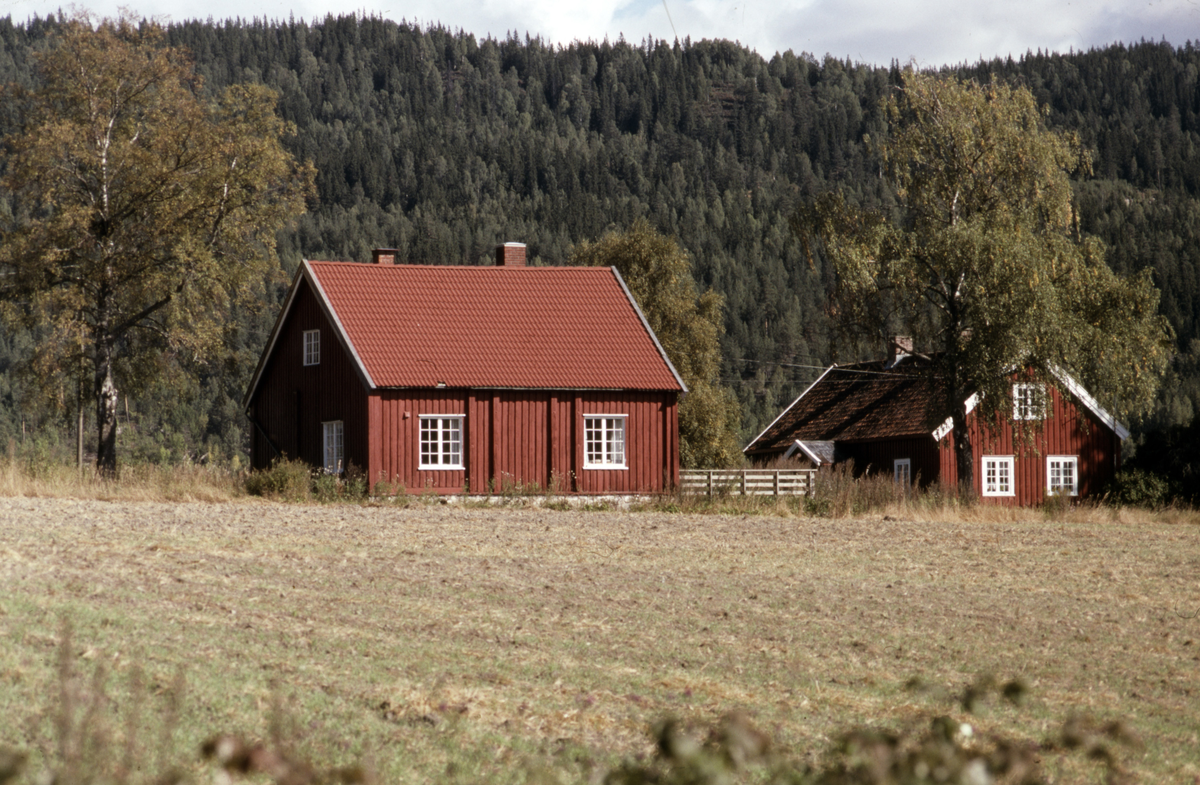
{"points": [[859, 402]]}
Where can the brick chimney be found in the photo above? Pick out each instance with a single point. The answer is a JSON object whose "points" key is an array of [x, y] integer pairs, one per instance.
{"points": [[510, 255], [384, 256], [899, 346]]}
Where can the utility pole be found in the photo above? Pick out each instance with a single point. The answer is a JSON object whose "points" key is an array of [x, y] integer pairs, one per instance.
{"points": [[79, 429]]}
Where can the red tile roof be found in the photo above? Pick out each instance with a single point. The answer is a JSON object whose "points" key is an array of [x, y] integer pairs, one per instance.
{"points": [[860, 402], [514, 327]]}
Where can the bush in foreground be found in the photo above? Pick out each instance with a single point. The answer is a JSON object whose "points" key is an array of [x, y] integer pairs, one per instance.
{"points": [[295, 481]]}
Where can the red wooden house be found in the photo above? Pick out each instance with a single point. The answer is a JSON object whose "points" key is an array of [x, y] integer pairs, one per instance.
{"points": [[889, 416], [470, 379]]}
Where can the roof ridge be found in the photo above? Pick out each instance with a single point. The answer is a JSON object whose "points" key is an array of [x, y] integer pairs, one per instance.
{"points": [[411, 266]]}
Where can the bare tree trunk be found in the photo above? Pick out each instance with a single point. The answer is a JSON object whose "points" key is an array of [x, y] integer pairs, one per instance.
{"points": [[106, 413], [964, 458], [956, 401]]}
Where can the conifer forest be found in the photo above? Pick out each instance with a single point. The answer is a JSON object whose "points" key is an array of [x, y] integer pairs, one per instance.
{"points": [[441, 145]]}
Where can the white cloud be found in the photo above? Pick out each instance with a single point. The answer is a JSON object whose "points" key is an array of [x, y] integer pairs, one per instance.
{"points": [[934, 32]]}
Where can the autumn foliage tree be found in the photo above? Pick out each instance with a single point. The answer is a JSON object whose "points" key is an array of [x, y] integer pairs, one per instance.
{"points": [[146, 208], [982, 261], [688, 325]]}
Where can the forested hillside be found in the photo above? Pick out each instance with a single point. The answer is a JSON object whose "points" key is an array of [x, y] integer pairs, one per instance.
{"points": [[442, 145]]}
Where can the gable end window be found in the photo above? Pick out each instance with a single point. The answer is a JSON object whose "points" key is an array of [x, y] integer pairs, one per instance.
{"points": [[312, 347], [902, 468], [998, 475], [441, 441], [1029, 401], [1062, 475], [334, 439], [604, 441]]}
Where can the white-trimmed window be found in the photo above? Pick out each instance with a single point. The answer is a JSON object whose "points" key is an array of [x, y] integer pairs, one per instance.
{"points": [[312, 347], [441, 441], [333, 436], [1062, 475], [998, 475], [1029, 401], [902, 470], [604, 441]]}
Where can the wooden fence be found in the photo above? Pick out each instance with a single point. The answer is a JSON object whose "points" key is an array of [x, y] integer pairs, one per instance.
{"points": [[753, 482]]}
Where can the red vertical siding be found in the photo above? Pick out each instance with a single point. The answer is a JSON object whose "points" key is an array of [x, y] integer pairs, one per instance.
{"points": [[670, 442], [528, 439], [521, 449], [292, 400], [645, 442], [1071, 430], [374, 438], [400, 434]]}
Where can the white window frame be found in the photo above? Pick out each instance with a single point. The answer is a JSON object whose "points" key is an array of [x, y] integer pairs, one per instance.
{"points": [[312, 347], [1005, 466], [440, 442], [902, 471], [1029, 401], [605, 441], [1057, 463], [333, 446]]}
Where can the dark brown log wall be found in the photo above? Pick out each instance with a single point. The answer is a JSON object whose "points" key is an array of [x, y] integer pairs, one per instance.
{"points": [[880, 457], [293, 400]]}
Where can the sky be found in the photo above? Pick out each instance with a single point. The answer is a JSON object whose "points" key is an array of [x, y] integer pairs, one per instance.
{"points": [[928, 32]]}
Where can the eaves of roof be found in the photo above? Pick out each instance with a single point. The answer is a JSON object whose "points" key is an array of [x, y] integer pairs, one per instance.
{"points": [[898, 411]]}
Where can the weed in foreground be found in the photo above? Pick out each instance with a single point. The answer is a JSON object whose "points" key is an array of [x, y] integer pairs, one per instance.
{"points": [[238, 759], [97, 738], [935, 749], [92, 745]]}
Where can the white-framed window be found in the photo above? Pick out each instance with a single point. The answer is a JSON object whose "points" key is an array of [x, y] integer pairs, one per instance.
{"points": [[1062, 475], [604, 441], [441, 441], [312, 347], [1029, 401], [998, 475], [902, 470], [333, 437]]}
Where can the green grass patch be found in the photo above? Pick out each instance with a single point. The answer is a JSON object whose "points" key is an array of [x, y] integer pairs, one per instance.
{"points": [[453, 644]]}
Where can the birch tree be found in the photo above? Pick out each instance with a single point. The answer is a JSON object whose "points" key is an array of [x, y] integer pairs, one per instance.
{"points": [[145, 208], [982, 261], [688, 325]]}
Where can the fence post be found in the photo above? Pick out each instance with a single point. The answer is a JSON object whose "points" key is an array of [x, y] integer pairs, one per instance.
{"points": [[710, 487], [776, 482]]}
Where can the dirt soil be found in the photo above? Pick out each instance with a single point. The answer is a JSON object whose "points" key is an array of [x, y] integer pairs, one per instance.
{"points": [[449, 642]]}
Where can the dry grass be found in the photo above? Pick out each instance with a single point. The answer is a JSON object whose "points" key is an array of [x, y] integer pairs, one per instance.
{"points": [[444, 643], [137, 482], [881, 498]]}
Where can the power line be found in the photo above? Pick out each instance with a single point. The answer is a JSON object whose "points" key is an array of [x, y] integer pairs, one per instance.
{"points": [[838, 369]]}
